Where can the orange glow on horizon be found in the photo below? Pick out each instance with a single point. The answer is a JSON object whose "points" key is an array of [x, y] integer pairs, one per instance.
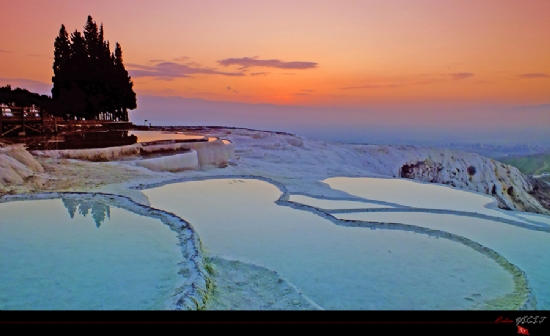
{"points": [[346, 53]]}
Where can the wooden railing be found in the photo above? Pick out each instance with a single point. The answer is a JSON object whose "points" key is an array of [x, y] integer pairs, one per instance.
{"points": [[23, 117]]}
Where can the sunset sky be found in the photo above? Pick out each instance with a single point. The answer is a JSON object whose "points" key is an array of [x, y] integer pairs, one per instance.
{"points": [[339, 54]]}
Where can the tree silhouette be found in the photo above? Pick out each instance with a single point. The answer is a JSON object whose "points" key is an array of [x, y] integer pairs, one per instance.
{"points": [[71, 205], [23, 97], [62, 52], [99, 210], [89, 81], [125, 85], [84, 207]]}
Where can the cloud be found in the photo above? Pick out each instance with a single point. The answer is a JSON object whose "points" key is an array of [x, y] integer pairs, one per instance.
{"points": [[431, 81], [181, 59], [392, 82], [534, 75], [461, 75], [163, 92], [259, 73], [392, 86], [6, 51], [235, 91], [301, 94], [35, 55], [156, 61], [246, 62], [170, 70], [308, 90], [229, 87]]}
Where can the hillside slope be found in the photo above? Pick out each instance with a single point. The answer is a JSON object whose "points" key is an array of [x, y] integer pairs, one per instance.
{"points": [[530, 164]]}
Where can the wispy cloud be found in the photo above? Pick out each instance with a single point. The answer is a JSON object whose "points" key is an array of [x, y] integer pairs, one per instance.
{"points": [[229, 87], [246, 62], [259, 73], [308, 90], [170, 70], [41, 56], [156, 61], [391, 86], [163, 92], [6, 51], [534, 75], [181, 59], [430, 81], [392, 82], [461, 75]]}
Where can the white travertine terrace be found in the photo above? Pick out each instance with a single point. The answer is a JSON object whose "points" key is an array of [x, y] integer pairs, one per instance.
{"points": [[300, 166], [172, 163], [209, 153]]}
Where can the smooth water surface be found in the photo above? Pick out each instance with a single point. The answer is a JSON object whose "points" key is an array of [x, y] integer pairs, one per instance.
{"points": [[337, 267], [420, 195], [147, 136], [536, 217], [109, 259], [527, 249]]}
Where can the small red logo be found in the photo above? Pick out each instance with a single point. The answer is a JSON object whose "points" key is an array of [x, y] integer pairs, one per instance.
{"points": [[523, 331], [503, 320]]}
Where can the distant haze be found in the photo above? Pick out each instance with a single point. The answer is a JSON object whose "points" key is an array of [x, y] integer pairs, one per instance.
{"points": [[429, 125]]}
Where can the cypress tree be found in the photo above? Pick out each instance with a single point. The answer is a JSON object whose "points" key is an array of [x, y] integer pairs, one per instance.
{"points": [[62, 53], [78, 76], [91, 37], [89, 79], [125, 85], [105, 73], [94, 86]]}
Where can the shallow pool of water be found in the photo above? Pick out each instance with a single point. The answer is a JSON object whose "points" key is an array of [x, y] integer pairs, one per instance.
{"points": [[80, 255], [147, 136], [527, 249], [536, 218], [337, 267], [420, 195]]}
